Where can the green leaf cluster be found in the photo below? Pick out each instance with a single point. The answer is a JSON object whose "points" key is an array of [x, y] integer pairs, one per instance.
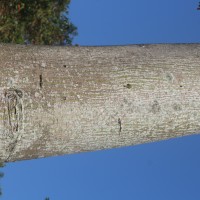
{"points": [[1, 174], [36, 21]]}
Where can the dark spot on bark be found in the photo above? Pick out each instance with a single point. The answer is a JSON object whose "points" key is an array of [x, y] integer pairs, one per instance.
{"points": [[155, 107], [64, 66], [169, 77], [181, 86], [125, 101], [177, 107], [128, 86]]}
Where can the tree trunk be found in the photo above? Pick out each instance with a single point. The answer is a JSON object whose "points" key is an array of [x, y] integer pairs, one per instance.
{"points": [[60, 100]]}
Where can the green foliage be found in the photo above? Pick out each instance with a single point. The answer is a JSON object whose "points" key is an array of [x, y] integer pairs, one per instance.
{"points": [[1, 175], [35, 21], [2, 164]]}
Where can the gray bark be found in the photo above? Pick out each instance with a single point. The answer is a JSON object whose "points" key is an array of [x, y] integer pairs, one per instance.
{"points": [[61, 100]]}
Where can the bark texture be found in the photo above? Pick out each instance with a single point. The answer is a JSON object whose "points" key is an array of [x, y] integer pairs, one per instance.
{"points": [[60, 100]]}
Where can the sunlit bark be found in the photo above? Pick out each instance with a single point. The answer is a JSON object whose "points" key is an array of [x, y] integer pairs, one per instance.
{"points": [[60, 100]]}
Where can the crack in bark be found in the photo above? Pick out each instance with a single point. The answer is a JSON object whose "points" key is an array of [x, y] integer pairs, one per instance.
{"points": [[120, 125], [41, 81]]}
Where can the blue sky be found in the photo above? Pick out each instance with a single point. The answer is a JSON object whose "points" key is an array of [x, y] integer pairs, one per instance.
{"points": [[161, 170]]}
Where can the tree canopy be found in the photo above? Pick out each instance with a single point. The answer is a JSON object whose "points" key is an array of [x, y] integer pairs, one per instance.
{"points": [[36, 22], [1, 175]]}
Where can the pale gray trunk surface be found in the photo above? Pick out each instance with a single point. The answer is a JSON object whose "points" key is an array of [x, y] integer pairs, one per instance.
{"points": [[60, 100]]}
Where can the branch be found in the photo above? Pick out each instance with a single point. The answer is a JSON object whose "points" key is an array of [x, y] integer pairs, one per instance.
{"points": [[60, 100]]}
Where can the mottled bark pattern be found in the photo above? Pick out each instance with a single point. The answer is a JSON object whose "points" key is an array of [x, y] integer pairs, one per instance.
{"points": [[60, 100]]}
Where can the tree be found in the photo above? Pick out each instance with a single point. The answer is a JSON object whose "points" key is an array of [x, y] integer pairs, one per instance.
{"points": [[60, 100], [36, 22], [1, 175], [198, 8]]}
